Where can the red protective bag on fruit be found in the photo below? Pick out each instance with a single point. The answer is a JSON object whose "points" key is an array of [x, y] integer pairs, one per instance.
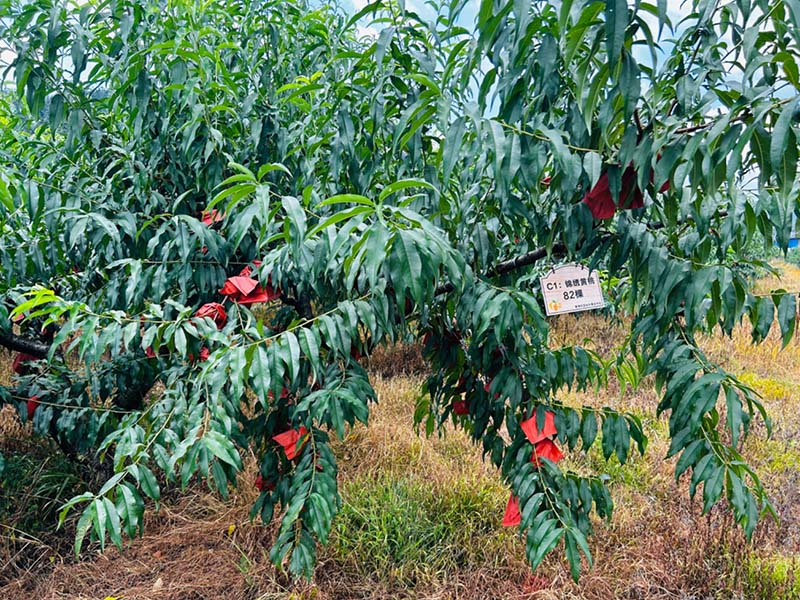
{"points": [[288, 439], [532, 432], [546, 449], [512, 518]]}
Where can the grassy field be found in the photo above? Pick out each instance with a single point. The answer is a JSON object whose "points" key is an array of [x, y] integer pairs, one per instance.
{"points": [[421, 516]]}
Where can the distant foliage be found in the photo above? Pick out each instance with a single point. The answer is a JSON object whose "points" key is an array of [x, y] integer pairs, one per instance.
{"points": [[239, 200], [793, 256]]}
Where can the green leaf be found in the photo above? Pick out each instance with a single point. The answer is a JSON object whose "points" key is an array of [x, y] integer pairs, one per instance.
{"points": [[712, 488], [147, 480], [663, 15], [574, 539], [616, 23], [573, 557], [403, 184], [221, 447], [733, 414], [39, 297], [629, 82], [783, 146], [294, 354], [100, 521], [70, 504], [409, 260], [451, 146], [344, 215], [310, 344], [233, 194], [588, 429], [180, 341], [547, 543], [259, 373], [242, 169], [128, 497], [347, 199], [113, 525], [84, 525], [264, 170], [787, 317], [111, 483], [690, 456]]}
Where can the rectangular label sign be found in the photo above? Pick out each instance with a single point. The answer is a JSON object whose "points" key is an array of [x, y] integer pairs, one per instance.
{"points": [[571, 288]]}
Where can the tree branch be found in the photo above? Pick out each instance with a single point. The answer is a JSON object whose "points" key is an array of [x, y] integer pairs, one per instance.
{"points": [[511, 264], [302, 305], [745, 115], [21, 344], [525, 260], [533, 256]]}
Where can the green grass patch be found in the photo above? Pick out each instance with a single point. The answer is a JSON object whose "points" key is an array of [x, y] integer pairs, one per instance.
{"points": [[634, 474], [779, 456], [406, 531], [774, 577], [769, 388], [33, 486]]}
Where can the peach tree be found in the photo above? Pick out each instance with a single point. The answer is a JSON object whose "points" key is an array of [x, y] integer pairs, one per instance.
{"points": [[210, 213]]}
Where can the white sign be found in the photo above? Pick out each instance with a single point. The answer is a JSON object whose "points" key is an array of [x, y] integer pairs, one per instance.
{"points": [[571, 288]]}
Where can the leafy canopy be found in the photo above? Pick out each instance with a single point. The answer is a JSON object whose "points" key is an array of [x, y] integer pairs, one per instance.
{"points": [[415, 182]]}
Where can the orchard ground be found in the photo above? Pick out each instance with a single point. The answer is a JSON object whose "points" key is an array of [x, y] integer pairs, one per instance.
{"points": [[421, 516]]}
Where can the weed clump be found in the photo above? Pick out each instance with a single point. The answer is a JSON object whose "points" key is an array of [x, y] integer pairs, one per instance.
{"points": [[406, 532]]}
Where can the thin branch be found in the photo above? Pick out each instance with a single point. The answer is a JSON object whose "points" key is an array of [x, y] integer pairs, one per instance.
{"points": [[746, 114]]}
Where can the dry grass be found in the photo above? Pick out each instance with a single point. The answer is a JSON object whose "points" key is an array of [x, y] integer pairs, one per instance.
{"points": [[657, 545], [399, 359], [200, 547], [686, 554], [788, 278], [192, 549]]}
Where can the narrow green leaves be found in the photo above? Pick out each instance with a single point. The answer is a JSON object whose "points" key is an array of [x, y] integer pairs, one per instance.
{"points": [[341, 216], [404, 184], [787, 315], [616, 13], [783, 147], [222, 447], [311, 501]]}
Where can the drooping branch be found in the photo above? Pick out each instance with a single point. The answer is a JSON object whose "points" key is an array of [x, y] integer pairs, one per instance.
{"points": [[302, 305]]}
